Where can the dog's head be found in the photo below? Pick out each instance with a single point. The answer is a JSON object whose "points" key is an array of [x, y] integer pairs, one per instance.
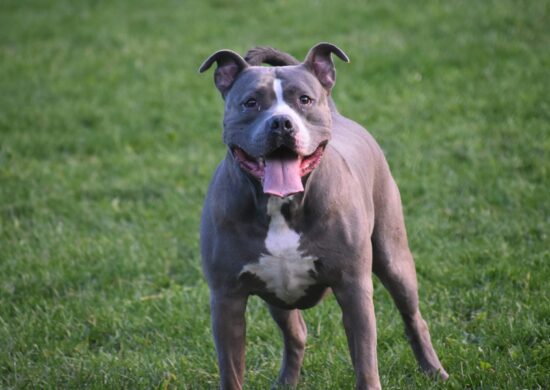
{"points": [[277, 120]]}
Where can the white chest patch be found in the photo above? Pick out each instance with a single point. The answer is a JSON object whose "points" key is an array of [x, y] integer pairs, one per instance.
{"points": [[285, 270]]}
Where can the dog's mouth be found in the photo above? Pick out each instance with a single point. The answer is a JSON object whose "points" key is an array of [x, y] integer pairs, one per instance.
{"points": [[280, 171]]}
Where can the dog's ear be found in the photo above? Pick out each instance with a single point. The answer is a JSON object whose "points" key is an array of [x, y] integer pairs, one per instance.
{"points": [[230, 64], [319, 62]]}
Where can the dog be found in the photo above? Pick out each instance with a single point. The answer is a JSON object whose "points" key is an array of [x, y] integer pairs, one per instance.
{"points": [[303, 202]]}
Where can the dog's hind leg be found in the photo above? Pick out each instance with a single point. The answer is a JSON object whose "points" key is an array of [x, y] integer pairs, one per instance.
{"points": [[294, 331], [393, 264]]}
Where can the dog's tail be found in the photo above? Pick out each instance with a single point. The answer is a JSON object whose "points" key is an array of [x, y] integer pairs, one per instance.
{"points": [[267, 55]]}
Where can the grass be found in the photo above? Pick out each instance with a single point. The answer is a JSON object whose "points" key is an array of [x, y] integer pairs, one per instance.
{"points": [[108, 137]]}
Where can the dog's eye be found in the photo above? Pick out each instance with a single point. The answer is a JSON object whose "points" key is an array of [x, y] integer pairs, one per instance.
{"points": [[305, 100], [250, 104]]}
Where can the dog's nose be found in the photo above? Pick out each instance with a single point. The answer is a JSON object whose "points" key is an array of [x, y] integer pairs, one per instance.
{"points": [[281, 124]]}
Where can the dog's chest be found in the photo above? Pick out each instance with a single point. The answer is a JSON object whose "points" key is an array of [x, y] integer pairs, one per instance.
{"points": [[286, 270]]}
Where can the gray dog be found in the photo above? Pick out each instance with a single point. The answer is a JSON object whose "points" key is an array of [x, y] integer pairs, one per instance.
{"points": [[304, 201]]}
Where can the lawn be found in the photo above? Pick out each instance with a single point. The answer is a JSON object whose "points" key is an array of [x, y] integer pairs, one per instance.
{"points": [[108, 138]]}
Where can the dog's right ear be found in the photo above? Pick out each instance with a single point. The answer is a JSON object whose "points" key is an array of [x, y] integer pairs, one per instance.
{"points": [[230, 64]]}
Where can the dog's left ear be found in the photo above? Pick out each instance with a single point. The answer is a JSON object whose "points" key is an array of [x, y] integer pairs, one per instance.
{"points": [[230, 65], [319, 62]]}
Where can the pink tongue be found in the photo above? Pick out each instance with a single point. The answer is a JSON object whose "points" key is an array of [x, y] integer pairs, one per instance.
{"points": [[282, 177]]}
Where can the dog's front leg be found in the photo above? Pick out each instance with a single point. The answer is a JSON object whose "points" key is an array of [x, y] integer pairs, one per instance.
{"points": [[355, 298], [229, 328]]}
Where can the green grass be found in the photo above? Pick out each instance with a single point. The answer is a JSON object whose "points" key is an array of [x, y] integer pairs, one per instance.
{"points": [[108, 137]]}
